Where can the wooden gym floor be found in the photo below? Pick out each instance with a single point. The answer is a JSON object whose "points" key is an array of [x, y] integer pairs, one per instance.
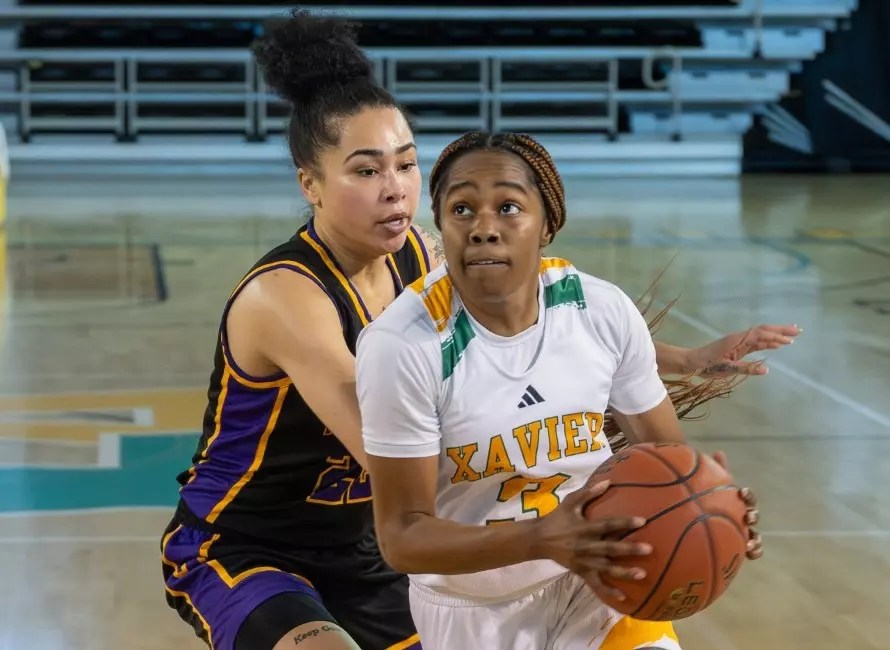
{"points": [[107, 330]]}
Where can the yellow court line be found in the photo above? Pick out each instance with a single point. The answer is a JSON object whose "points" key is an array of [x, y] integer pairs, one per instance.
{"points": [[171, 410]]}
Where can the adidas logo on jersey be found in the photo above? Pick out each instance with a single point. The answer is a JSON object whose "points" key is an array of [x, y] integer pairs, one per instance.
{"points": [[530, 397]]}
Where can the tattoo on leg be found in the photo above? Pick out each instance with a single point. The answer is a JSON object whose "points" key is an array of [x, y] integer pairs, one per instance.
{"points": [[311, 634]]}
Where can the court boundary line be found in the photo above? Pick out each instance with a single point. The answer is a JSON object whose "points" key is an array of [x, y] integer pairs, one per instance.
{"points": [[8, 514], [63, 466], [792, 437], [142, 416], [64, 442], [53, 442], [108, 450], [103, 391]]}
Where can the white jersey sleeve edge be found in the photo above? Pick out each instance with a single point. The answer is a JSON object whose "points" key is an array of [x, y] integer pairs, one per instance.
{"points": [[641, 407], [397, 387], [387, 450], [637, 388]]}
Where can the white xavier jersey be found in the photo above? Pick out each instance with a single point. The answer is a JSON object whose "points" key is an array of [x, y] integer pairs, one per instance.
{"points": [[516, 421]]}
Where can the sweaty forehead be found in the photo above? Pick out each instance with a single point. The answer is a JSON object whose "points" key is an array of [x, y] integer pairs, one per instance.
{"points": [[489, 167]]}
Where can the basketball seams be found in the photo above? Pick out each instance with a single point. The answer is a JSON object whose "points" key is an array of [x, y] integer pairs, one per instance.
{"points": [[692, 497], [679, 563], [712, 550], [718, 573], [702, 516], [681, 477], [667, 566], [715, 564], [677, 481], [742, 532]]}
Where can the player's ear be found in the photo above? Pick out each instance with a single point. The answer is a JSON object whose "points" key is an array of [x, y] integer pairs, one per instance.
{"points": [[309, 184], [546, 235]]}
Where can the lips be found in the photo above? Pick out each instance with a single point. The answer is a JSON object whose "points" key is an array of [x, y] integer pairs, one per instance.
{"points": [[486, 262], [396, 223]]}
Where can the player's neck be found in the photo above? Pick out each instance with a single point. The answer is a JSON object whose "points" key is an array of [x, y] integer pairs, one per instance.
{"points": [[508, 317], [355, 264]]}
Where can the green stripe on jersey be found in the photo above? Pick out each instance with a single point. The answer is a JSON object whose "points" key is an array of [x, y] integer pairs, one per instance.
{"points": [[454, 347], [566, 291]]}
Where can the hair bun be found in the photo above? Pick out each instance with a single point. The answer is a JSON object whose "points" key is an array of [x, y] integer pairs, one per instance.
{"points": [[304, 53]]}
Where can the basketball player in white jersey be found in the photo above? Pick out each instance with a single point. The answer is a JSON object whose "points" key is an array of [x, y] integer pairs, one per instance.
{"points": [[483, 391]]}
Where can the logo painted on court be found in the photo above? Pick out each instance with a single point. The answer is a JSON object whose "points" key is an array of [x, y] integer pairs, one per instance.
{"points": [[133, 471], [91, 451]]}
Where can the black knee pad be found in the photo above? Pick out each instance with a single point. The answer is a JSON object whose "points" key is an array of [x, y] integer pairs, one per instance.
{"points": [[275, 617]]}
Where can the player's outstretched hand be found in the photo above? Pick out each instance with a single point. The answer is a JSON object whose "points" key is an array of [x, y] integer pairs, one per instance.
{"points": [[755, 543], [725, 356], [580, 545]]}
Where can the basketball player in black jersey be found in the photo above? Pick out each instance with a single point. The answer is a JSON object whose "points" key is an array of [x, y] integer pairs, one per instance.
{"points": [[272, 543], [272, 546]]}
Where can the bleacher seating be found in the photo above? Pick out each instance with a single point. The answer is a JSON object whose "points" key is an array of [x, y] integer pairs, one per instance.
{"points": [[396, 3], [374, 33], [657, 69]]}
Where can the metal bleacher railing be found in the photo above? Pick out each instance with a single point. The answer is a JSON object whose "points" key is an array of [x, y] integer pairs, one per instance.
{"points": [[490, 99]]}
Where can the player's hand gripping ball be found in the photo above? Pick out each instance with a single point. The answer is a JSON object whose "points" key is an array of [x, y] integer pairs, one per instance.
{"points": [[697, 523]]}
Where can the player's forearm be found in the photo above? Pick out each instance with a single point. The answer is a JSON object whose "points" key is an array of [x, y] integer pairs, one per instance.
{"points": [[423, 543], [672, 359]]}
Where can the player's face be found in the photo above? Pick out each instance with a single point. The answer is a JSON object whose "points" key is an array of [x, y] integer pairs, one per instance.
{"points": [[369, 185], [493, 225]]}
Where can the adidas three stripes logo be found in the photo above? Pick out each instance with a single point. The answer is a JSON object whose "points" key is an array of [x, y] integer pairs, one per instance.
{"points": [[530, 397]]}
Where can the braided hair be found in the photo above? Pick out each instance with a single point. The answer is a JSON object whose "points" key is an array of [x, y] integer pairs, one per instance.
{"points": [[547, 179], [688, 393]]}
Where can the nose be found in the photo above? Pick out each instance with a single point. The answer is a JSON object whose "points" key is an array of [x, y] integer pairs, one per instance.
{"points": [[485, 230], [393, 188]]}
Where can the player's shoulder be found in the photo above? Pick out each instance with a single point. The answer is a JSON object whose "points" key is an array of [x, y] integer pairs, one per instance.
{"points": [[285, 263], [604, 307], [411, 316], [300, 247], [562, 275]]}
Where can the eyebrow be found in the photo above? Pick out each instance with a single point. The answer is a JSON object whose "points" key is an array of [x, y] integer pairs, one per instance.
{"points": [[378, 153], [468, 183]]}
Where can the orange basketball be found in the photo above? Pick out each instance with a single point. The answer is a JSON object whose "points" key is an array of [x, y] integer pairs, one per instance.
{"points": [[695, 522]]}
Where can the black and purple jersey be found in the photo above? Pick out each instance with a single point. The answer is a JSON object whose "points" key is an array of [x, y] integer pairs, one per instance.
{"points": [[265, 465]]}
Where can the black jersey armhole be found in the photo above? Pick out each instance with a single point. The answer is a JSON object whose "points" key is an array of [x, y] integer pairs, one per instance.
{"points": [[287, 265]]}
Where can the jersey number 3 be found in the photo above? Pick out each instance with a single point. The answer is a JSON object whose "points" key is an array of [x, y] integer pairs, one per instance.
{"points": [[537, 495]]}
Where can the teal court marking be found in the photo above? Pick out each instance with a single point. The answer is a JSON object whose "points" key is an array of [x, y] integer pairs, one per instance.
{"points": [[134, 471]]}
